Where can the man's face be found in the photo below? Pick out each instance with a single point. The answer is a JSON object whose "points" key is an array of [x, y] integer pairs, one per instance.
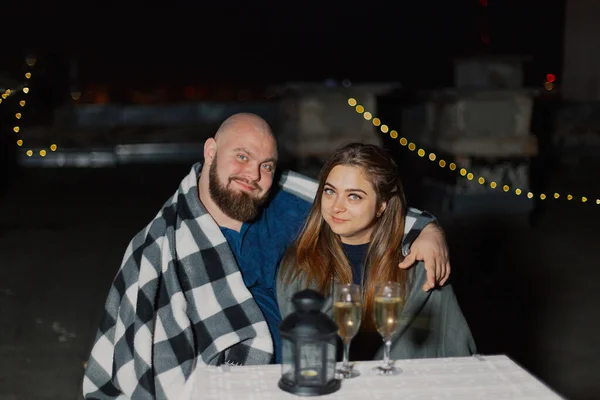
{"points": [[241, 175]]}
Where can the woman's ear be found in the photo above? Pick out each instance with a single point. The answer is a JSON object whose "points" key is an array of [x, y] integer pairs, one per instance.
{"points": [[382, 208]]}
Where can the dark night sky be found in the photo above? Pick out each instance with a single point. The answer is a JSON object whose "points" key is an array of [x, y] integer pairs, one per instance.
{"points": [[376, 40]]}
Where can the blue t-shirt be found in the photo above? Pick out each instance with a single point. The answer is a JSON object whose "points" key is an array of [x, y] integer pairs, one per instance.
{"points": [[258, 248]]}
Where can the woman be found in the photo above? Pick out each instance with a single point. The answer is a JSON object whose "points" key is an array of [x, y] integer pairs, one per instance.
{"points": [[353, 234]]}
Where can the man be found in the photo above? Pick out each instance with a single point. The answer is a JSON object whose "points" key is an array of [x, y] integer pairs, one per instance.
{"points": [[197, 285]]}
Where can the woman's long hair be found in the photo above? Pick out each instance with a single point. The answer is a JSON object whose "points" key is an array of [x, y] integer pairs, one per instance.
{"points": [[317, 254]]}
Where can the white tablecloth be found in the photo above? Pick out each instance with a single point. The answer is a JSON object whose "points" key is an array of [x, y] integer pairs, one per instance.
{"points": [[481, 377]]}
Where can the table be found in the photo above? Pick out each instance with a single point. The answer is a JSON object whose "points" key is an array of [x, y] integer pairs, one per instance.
{"points": [[478, 377]]}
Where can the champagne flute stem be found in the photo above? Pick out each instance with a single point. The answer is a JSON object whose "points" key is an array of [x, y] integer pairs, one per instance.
{"points": [[346, 362], [386, 353]]}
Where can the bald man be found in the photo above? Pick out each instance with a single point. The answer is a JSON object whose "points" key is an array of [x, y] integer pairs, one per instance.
{"points": [[238, 171], [197, 285]]}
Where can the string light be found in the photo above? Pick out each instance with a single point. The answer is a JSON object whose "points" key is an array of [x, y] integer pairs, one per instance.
{"points": [[19, 115], [549, 82], [30, 60], [8, 92], [442, 163]]}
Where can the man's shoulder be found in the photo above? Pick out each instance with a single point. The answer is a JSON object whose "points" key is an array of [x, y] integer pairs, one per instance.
{"points": [[285, 201]]}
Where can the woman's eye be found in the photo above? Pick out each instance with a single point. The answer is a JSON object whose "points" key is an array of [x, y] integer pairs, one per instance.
{"points": [[354, 197], [328, 191]]}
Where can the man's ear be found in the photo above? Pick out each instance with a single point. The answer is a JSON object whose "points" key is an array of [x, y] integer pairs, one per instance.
{"points": [[210, 149]]}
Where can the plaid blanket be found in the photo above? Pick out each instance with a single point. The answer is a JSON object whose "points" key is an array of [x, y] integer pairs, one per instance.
{"points": [[179, 301]]}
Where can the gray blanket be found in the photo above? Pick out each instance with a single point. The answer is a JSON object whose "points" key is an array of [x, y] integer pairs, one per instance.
{"points": [[433, 324]]}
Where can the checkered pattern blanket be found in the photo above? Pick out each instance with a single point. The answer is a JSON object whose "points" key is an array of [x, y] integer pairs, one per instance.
{"points": [[179, 301]]}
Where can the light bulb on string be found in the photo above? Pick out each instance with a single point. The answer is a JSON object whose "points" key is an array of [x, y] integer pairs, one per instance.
{"points": [[377, 122]]}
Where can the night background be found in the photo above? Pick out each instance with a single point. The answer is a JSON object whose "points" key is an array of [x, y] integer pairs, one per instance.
{"points": [[267, 42], [525, 271]]}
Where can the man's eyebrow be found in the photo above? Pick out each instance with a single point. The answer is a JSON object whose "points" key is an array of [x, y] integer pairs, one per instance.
{"points": [[347, 190], [271, 159], [245, 150]]}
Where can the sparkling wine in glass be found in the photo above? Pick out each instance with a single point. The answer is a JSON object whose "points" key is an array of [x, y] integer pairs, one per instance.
{"points": [[387, 311], [347, 313]]}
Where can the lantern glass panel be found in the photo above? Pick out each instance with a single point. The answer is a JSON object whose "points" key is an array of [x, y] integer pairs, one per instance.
{"points": [[330, 361], [311, 363], [287, 359]]}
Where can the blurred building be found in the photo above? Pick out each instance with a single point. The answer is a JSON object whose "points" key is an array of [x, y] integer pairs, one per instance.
{"points": [[581, 65]]}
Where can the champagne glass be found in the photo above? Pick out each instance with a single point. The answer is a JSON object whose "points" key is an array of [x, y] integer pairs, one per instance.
{"points": [[387, 310], [347, 312]]}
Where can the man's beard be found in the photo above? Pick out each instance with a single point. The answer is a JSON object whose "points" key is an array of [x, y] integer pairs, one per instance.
{"points": [[237, 205]]}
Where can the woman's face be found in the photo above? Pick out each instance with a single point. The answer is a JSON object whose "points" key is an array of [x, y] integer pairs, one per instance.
{"points": [[349, 204]]}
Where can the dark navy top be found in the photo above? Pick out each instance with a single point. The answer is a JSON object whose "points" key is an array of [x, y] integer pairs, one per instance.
{"points": [[365, 344], [259, 247], [356, 254]]}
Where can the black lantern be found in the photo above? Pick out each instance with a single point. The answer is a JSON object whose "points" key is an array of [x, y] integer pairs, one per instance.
{"points": [[308, 348]]}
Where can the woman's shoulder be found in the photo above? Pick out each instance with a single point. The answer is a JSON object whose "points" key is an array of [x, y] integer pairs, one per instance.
{"points": [[286, 289]]}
